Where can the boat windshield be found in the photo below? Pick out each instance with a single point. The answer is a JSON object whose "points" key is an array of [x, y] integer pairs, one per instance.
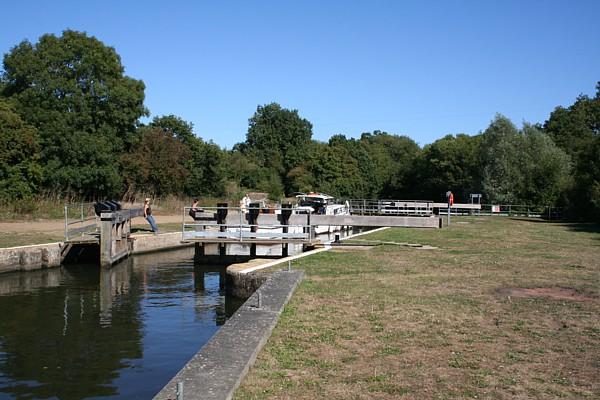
{"points": [[311, 201]]}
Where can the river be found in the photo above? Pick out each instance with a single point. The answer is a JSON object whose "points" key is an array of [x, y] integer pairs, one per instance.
{"points": [[86, 332]]}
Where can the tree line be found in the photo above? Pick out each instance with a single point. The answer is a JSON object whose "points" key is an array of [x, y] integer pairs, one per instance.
{"points": [[70, 126]]}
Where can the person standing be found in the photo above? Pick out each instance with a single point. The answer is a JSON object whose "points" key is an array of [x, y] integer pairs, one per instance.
{"points": [[245, 203], [149, 217], [193, 209]]}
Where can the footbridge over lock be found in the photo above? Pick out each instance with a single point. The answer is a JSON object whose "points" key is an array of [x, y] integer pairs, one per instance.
{"points": [[99, 232], [225, 232]]}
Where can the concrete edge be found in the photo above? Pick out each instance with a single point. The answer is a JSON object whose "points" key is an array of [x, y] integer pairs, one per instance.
{"points": [[48, 255], [216, 371], [27, 258], [163, 241]]}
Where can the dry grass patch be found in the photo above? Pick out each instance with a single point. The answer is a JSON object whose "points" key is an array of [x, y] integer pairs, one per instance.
{"points": [[396, 322]]}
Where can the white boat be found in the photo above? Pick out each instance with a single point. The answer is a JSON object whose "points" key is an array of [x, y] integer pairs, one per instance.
{"points": [[323, 204]]}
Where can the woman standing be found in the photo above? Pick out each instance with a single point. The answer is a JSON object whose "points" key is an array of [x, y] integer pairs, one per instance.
{"points": [[149, 217]]}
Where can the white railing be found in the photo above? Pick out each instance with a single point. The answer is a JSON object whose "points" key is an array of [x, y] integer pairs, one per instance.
{"points": [[391, 207], [206, 226]]}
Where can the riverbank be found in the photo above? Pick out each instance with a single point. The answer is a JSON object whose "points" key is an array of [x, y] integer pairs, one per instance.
{"points": [[503, 308]]}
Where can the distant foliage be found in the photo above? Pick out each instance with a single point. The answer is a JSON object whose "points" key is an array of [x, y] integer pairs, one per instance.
{"points": [[451, 163], [156, 165], [576, 130]]}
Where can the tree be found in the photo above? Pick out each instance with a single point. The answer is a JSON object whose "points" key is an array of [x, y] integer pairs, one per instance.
{"points": [[574, 128], [545, 168], [450, 163], [393, 157], [20, 171], [205, 166], [178, 128], [336, 172], [501, 149], [278, 137], [157, 165], [73, 89]]}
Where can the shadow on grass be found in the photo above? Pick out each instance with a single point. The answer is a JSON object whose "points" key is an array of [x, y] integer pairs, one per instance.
{"points": [[585, 227], [136, 230]]}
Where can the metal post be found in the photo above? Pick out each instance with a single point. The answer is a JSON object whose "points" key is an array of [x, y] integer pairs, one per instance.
{"points": [[241, 223], [289, 265], [448, 214], [66, 222], [179, 390]]}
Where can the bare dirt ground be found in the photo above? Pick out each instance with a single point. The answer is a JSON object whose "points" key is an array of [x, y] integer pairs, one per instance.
{"points": [[58, 225], [23, 233]]}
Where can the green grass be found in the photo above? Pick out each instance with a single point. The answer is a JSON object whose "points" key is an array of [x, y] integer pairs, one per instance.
{"points": [[396, 322]]}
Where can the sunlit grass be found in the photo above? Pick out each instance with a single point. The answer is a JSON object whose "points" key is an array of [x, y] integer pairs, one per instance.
{"points": [[398, 322]]}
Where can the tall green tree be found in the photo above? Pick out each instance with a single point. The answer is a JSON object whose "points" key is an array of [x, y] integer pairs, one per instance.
{"points": [[336, 172], [545, 168], [501, 154], [73, 90], [576, 129], [156, 165], [573, 128], [206, 164], [393, 157], [20, 171], [279, 138], [450, 163]]}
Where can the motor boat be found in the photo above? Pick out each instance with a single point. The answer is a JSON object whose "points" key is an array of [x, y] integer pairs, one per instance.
{"points": [[321, 204]]}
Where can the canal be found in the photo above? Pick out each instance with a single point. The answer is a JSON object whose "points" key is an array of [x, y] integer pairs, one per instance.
{"points": [[84, 332]]}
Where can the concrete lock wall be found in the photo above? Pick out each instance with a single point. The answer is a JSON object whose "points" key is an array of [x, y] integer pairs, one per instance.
{"points": [[26, 258], [164, 241]]}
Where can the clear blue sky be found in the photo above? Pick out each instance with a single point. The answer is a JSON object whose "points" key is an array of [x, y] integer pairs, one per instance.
{"points": [[421, 69]]}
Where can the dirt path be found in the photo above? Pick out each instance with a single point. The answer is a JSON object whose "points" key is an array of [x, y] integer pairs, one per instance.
{"points": [[58, 225]]}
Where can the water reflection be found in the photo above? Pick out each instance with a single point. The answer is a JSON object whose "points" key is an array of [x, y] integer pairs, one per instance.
{"points": [[121, 332]]}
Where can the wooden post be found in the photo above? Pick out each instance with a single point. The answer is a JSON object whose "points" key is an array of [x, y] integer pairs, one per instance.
{"points": [[221, 220], [106, 252], [286, 212], [254, 210]]}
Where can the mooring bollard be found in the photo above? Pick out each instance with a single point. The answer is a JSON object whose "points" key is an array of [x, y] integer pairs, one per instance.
{"points": [[179, 390]]}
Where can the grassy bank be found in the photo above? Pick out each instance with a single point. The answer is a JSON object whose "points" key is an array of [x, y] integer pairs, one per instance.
{"points": [[399, 322]]}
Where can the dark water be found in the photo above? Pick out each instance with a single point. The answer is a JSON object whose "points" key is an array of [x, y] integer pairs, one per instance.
{"points": [[86, 332]]}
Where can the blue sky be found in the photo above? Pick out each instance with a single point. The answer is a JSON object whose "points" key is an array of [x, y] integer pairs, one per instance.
{"points": [[415, 68]]}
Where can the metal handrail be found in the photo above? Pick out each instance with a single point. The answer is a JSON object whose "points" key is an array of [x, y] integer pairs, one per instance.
{"points": [[85, 213], [391, 206]]}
